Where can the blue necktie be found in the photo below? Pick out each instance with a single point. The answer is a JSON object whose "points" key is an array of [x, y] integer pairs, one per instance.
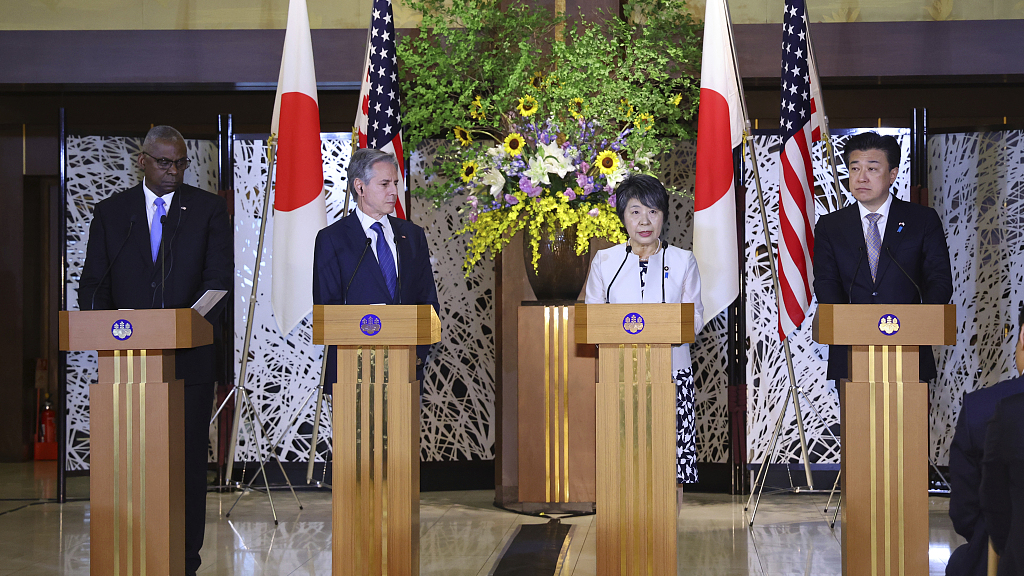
{"points": [[874, 242], [156, 231], [385, 259]]}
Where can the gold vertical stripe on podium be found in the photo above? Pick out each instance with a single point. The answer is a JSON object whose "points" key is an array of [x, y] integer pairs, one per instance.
{"points": [[637, 487], [873, 433], [899, 460], [547, 403], [650, 480], [360, 499], [565, 397], [117, 462], [143, 375], [623, 527], [887, 464], [385, 381], [556, 450], [130, 457]]}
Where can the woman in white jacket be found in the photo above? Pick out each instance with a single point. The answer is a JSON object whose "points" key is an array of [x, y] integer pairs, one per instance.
{"points": [[646, 269]]}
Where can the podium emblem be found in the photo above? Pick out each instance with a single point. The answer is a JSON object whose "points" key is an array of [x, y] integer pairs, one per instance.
{"points": [[122, 330], [888, 324], [633, 323], [370, 325]]}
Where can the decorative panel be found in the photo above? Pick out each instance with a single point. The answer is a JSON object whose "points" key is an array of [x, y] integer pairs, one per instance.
{"points": [[98, 167], [767, 375]]}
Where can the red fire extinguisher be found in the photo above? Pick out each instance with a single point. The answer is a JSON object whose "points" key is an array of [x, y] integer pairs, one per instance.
{"points": [[47, 422]]}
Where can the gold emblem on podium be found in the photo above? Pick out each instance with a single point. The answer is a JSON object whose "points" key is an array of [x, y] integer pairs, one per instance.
{"points": [[888, 324]]}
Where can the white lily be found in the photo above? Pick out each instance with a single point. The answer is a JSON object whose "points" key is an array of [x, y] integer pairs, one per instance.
{"points": [[538, 171], [493, 178]]}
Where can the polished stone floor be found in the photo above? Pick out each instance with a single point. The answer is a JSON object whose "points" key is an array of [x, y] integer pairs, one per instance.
{"points": [[462, 534]]}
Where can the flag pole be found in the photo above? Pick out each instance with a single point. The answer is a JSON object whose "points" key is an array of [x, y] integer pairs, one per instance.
{"points": [[762, 470], [749, 143], [826, 134]]}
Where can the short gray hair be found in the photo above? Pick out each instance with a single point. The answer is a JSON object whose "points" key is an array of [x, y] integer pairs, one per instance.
{"points": [[362, 163], [162, 134]]}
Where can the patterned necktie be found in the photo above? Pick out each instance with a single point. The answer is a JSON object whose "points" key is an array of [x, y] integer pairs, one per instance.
{"points": [[156, 231], [874, 241], [385, 259]]}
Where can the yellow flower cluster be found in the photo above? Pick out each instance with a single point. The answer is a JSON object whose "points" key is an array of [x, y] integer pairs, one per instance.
{"points": [[492, 231]]}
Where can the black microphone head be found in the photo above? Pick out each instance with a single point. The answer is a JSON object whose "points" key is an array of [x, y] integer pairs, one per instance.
{"points": [[163, 219], [629, 247], [664, 244], [132, 219], [368, 241]]}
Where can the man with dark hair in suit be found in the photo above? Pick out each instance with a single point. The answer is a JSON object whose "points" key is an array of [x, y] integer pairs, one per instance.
{"points": [[965, 465], [880, 250], [1002, 484], [162, 244], [370, 257]]}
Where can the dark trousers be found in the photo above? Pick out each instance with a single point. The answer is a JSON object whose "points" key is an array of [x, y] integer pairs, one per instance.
{"points": [[198, 408]]}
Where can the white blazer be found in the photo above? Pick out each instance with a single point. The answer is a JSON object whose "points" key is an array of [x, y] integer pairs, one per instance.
{"points": [[682, 284]]}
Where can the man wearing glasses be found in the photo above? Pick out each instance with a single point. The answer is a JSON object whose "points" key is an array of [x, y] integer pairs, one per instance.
{"points": [[162, 244]]}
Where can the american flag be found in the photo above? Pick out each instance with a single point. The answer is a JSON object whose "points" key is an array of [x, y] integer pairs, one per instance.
{"points": [[379, 119], [796, 203]]}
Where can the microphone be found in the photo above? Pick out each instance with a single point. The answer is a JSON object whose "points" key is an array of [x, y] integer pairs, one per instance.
{"points": [[163, 261], [398, 270], [131, 224], [664, 252], [898, 265], [849, 292], [353, 277], [164, 274], [607, 293]]}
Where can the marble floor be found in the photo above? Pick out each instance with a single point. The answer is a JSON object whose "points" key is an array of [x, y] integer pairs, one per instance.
{"points": [[462, 533]]}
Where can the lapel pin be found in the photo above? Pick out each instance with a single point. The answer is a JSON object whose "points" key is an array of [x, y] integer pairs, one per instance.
{"points": [[899, 228]]}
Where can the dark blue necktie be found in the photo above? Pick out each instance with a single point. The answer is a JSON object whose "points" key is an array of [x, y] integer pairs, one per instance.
{"points": [[385, 259], [156, 231]]}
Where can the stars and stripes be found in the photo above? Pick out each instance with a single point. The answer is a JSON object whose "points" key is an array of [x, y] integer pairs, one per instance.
{"points": [[796, 203], [379, 119]]}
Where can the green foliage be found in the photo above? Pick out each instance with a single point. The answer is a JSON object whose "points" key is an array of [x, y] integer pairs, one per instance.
{"points": [[471, 61]]}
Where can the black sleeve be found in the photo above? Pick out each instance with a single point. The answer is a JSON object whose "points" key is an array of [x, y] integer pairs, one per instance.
{"points": [[936, 273], [92, 294], [995, 482], [964, 476], [828, 287], [219, 262]]}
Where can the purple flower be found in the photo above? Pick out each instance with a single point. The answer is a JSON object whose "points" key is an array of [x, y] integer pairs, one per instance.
{"points": [[593, 212], [585, 182], [512, 200], [611, 198], [527, 186], [472, 217], [570, 194]]}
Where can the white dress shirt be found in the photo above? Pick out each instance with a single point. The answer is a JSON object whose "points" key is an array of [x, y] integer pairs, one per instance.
{"points": [[883, 210], [389, 235], [151, 203]]}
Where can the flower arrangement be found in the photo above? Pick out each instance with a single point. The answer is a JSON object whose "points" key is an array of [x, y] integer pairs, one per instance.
{"points": [[538, 131]]}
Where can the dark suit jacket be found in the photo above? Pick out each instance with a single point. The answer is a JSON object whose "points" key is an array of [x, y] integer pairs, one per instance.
{"points": [[197, 246], [1002, 484], [913, 236], [965, 456], [335, 259]]}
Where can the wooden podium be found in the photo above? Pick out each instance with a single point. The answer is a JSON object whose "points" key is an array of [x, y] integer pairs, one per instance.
{"points": [[884, 424], [636, 432], [136, 434], [376, 497]]}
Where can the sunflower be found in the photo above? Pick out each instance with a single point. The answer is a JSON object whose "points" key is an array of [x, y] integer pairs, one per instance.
{"points": [[675, 100], [607, 161], [527, 105], [468, 171], [576, 108], [625, 108], [644, 122], [514, 144], [476, 109], [463, 136], [537, 81]]}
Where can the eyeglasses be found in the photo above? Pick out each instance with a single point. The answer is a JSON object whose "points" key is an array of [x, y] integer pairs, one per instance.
{"points": [[165, 163]]}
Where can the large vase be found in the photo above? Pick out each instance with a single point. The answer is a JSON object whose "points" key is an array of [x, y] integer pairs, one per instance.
{"points": [[560, 273]]}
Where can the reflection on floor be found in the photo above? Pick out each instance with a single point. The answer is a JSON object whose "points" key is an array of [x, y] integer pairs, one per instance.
{"points": [[461, 533]]}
